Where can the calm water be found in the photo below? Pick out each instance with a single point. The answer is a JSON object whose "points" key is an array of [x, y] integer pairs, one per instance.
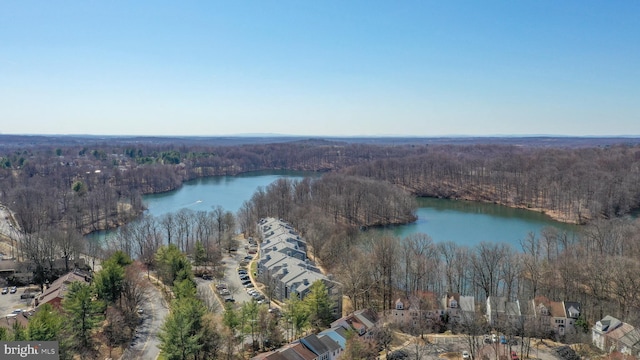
{"points": [[469, 223], [466, 223], [205, 194]]}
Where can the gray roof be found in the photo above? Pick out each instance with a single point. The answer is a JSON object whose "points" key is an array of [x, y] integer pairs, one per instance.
{"points": [[367, 317], [315, 344], [609, 323], [329, 343], [571, 304]]}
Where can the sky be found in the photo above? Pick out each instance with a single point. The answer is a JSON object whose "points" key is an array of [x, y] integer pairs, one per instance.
{"points": [[320, 67]]}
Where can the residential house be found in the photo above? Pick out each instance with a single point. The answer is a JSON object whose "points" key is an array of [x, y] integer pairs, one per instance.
{"points": [[601, 329], [313, 343], [629, 343], [460, 309], [501, 312], [328, 344], [337, 334], [418, 311], [361, 321], [558, 317], [55, 292], [335, 350]]}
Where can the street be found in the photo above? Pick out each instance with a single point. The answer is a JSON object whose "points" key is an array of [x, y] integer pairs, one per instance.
{"points": [[146, 343]]}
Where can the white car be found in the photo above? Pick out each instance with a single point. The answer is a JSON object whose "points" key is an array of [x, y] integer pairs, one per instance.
{"points": [[465, 355]]}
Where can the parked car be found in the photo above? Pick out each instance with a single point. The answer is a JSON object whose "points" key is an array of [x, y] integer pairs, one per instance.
{"points": [[503, 339], [248, 258], [5, 291], [229, 299], [465, 355], [13, 290], [221, 286], [487, 339], [514, 355], [249, 285], [398, 354]]}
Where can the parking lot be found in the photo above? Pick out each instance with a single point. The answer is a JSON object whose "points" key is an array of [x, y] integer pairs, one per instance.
{"points": [[231, 286], [11, 302]]}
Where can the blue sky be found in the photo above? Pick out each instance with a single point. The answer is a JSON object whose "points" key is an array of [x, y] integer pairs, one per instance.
{"points": [[420, 68]]}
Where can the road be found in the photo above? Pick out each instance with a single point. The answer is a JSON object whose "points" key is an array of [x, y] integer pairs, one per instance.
{"points": [[146, 345]]}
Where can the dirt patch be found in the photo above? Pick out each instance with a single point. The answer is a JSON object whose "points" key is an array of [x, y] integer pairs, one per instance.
{"points": [[451, 355]]}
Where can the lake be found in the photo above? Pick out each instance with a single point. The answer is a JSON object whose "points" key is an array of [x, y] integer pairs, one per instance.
{"points": [[469, 223], [463, 222]]}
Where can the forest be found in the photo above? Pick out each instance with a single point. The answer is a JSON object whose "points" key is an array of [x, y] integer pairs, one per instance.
{"points": [[59, 191]]}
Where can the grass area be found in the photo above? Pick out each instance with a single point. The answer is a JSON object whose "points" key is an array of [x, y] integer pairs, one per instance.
{"points": [[254, 267]]}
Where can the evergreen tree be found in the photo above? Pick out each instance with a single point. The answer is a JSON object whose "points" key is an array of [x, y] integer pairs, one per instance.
{"points": [[120, 258], [297, 313], [181, 336], [45, 325], [319, 305], [172, 265], [19, 332], [230, 318], [108, 281], [200, 254], [84, 313], [185, 289]]}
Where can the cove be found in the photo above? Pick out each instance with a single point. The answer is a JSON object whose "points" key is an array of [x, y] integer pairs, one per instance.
{"points": [[463, 222], [469, 223], [204, 194]]}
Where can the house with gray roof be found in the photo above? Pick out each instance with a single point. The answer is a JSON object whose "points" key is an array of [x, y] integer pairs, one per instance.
{"points": [[318, 347], [601, 329], [501, 312]]}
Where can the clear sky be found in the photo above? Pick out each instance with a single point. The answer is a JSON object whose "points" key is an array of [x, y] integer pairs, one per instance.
{"points": [[320, 67]]}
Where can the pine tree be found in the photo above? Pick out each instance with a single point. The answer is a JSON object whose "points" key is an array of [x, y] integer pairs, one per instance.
{"points": [[45, 325], [84, 313], [318, 304], [181, 336], [108, 281]]}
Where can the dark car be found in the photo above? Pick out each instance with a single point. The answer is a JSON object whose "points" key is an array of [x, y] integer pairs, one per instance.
{"points": [[229, 299], [248, 258], [398, 354], [245, 282], [244, 278]]}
